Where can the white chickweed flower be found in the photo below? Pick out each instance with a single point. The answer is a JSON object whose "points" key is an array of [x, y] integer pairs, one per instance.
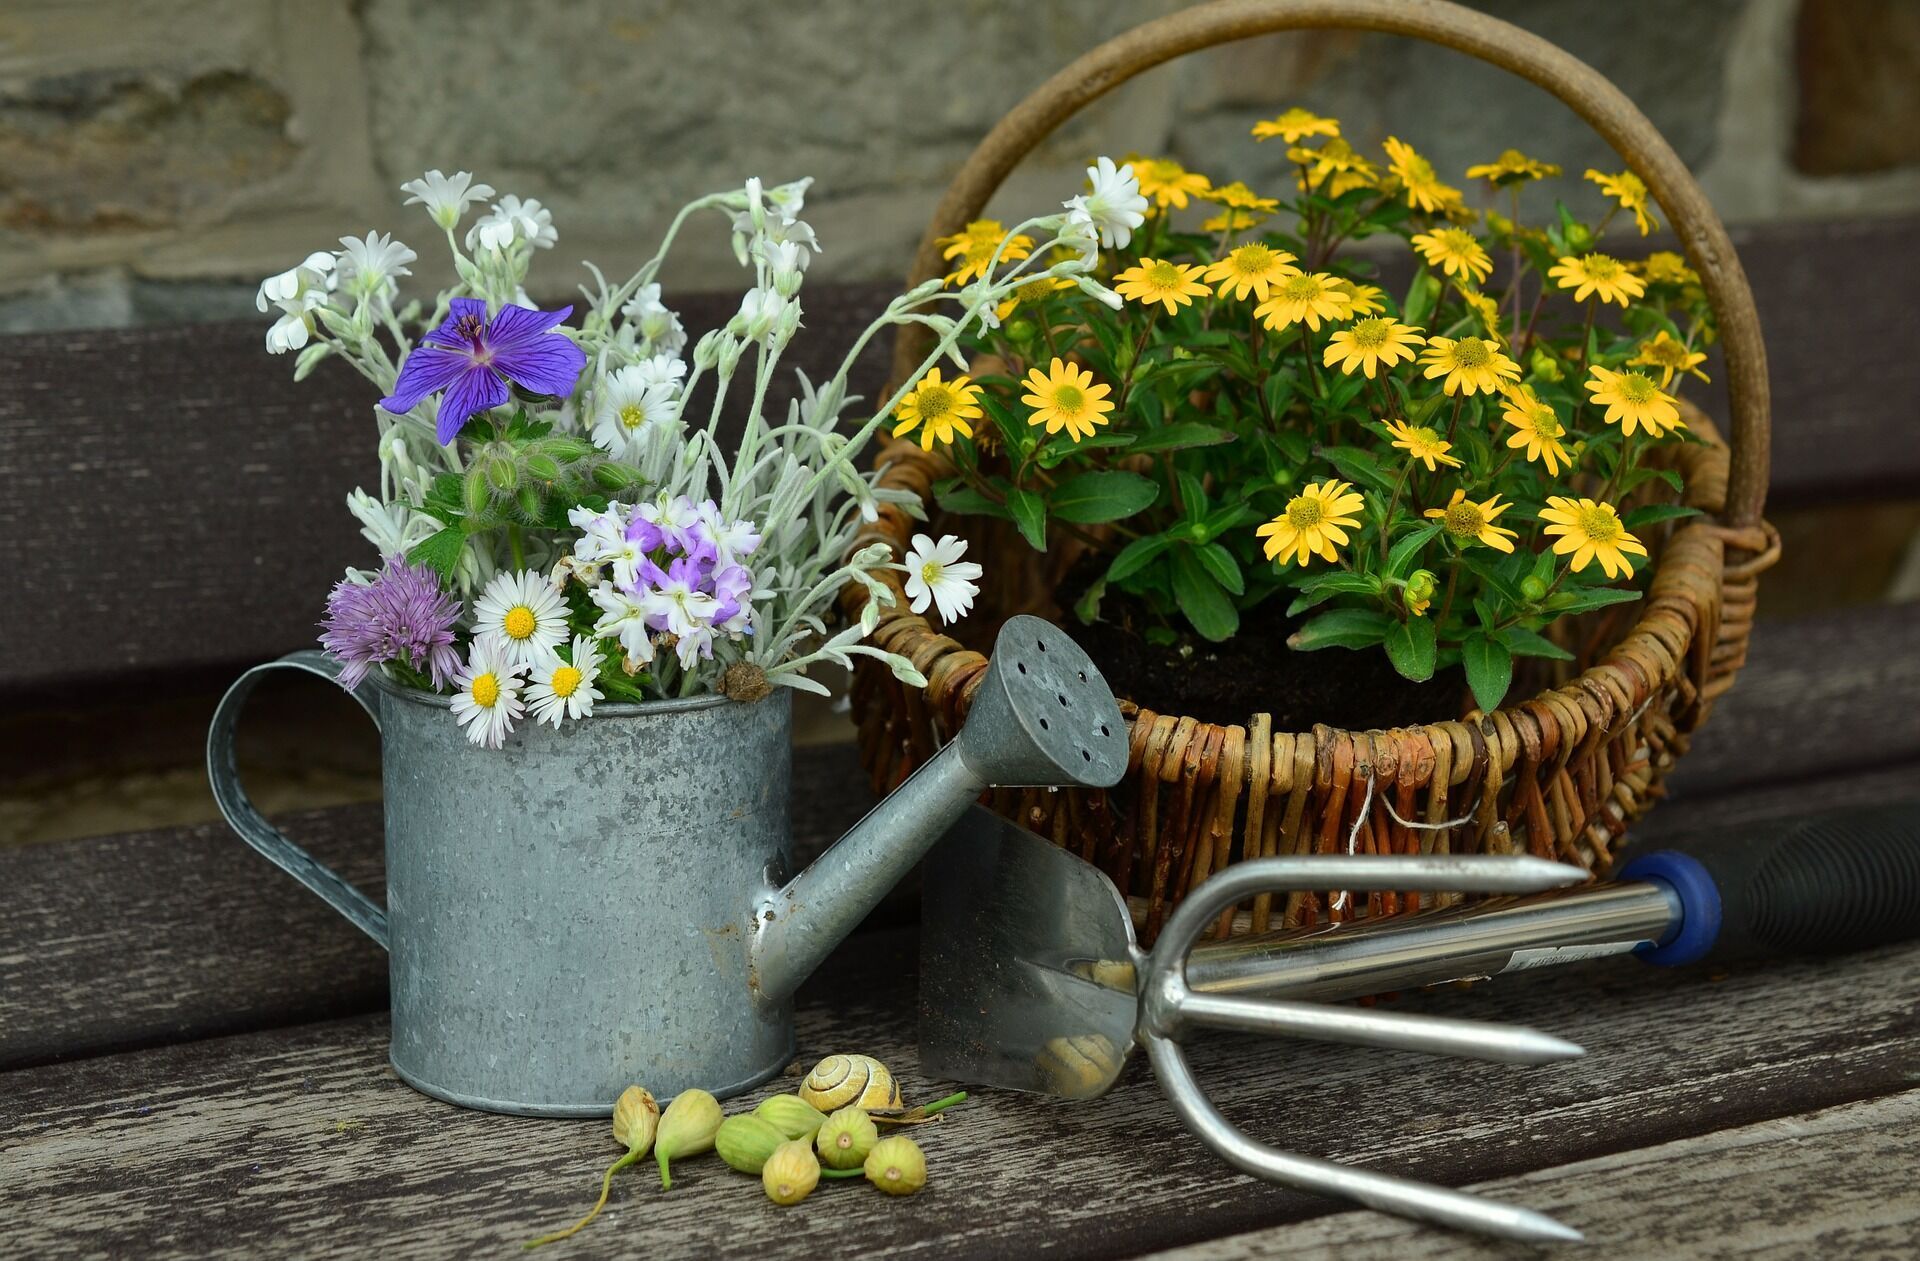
{"points": [[565, 689], [937, 575], [1114, 207], [446, 197], [759, 314], [369, 268], [296, 292], [513, 220], [486, 700], [660, 327], [522, 614]]}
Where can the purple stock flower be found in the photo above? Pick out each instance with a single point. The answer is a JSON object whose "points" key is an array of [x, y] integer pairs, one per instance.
{"points": [[402, 615], [473, 359]]}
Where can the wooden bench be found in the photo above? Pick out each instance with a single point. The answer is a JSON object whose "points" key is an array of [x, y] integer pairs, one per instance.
{"points": [[193, 1050]]}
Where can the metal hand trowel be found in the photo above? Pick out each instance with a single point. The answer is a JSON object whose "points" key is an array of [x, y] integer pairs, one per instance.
{"points": [[1030, 979]]}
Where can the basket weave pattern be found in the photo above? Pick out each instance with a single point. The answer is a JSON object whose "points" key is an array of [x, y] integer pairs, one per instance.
{"points": [[1560, 775]]}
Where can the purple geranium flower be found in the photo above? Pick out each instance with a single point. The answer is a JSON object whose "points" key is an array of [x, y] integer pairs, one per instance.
{"points": [[473, 359], [402, 615]]}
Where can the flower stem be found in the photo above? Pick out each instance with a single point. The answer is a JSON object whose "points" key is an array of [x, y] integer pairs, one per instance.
{"points": [[606, 1186]]}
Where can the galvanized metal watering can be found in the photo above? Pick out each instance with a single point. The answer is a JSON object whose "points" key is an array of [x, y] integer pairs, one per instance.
{"points": [[609, 903]]}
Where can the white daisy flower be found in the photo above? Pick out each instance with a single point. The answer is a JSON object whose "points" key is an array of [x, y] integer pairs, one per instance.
{"points": [[487, 697], [368, 268], [562, 689], [522, 614], [937, 575], [627, 405], [513, 220], [446, 197], [1114, 207]]}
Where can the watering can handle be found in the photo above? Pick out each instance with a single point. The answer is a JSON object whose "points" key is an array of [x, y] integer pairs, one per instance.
{"points": [[224, 774]]}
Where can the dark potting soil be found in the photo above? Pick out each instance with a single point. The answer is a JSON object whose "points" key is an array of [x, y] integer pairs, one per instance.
{"points": [[1254, 672]]}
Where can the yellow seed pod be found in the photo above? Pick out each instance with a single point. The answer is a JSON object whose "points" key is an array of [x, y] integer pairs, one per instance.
{"points": [[846, 1138], [793, 1116], [791, 1173], [857, 1081], [1079, 1067], [746, 1141], [897, 1166], [686, 1128], [635, 1117]]}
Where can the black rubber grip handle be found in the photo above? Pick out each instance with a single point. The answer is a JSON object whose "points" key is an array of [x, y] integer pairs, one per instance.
{"points": [[1839, 881]]}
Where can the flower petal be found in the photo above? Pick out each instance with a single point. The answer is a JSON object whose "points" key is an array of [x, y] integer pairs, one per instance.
{"points": [[475, 391], [426, 369], [515, 324], [548, 364]]}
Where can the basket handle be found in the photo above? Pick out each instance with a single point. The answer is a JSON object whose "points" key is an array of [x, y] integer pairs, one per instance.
{"points": [[1582, 88]]}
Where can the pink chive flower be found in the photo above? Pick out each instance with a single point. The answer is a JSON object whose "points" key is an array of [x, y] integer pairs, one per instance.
{"points": [[402, 615]]}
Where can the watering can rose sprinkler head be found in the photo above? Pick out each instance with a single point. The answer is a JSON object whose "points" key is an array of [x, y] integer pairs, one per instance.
{"points": [[1041, 715]]}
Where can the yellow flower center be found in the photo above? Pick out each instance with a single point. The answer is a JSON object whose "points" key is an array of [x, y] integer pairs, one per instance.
{"points": [[519, 622], [1599, 524], [934, 402], [1600, 267], [1032, 290], [1068, 398], [1371, 333], [1465, 520], [1251, 260], [1165, 170], [1545, 423], [1471, 352], [486, 691], [1163, 275], [565, 682], [931, 571], [1304, 512], [1418, 170], [1302, 288], [1666, 352], [1423, 438], [1454, 241], [633, 415], [1637, 389]]}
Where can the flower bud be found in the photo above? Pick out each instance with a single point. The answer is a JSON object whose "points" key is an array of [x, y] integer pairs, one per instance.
{"points": [[1542, 363], [686, 1128], [846, 1138], [706, 351], [1022, 331], [746, 1142], [791, 1115], [897, 1166], [1533, 587], [1421, 584], [791, 1173], [1579, 237], [635, 1118]]}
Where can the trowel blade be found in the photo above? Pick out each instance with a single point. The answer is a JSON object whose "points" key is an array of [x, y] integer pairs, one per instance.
{"points": [[1027, 964]]}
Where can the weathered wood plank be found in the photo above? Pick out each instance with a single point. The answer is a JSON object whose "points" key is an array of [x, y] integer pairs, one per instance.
{"points": [[1837, 1183], [302, 1140], [167, 936]]}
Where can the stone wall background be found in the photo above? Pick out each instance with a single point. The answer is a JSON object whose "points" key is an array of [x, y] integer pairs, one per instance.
{"points": [[157, 157]]}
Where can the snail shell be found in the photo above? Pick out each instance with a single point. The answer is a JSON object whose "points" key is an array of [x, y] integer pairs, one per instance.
{"points": [[857, 1081]]}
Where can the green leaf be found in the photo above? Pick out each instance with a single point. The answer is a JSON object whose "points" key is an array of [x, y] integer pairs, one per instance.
{"points": [[1102, 495], [1087, 607], [1522, 642], [445, 501], [1220, 564], [440, 550], [1136, 555], [1323, 587], [1422, 296], [1584, 598], [1409, 547], [1178, 437], [1341, 628], [1489, 669], [1202, 599], [1411, 646], [1359, 467], [968, 502], [1030, 514], [1653, 514]]}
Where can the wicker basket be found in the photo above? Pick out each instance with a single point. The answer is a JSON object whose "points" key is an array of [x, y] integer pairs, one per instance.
{"points": [[1562, 774]]}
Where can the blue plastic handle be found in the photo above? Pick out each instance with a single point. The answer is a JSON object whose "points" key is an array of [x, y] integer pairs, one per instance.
{"points": [[1693, 938]]}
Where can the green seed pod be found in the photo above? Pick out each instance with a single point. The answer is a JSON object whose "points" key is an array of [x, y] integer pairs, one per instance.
{"points": [[686, 1128], [568, 448], [846, 1138], [791, 1173], [793, 1116], [615, 476], [746, 1141], [897, 1166], [527, 499], [635, 1118], [502, 473], [475, 494], [542, 468]]}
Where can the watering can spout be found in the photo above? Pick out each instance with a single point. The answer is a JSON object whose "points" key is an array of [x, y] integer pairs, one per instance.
{"points": [[1041, 715]]}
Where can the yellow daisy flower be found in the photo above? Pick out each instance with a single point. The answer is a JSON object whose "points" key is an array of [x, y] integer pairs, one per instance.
{"points": [[1512, 167], [1540, 430], [1670, 355], [1482, 306], [1167, 182], [1366, 298], [1471, 365], [1239, 197], [939, 409], [1154, 280], [1295, 125], [1590, 531], [1632, 399], [1235, 219], [1469, 522], [1598, 274], [974, 245], [1065, 397], [1250, 268], [1032, 291], [1303, 297], [1664, 267], [1627, 189], [1371, 342], [1423, 444], [1315, 523], [1338, 160], [1417, 178], [1454, 252]]}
